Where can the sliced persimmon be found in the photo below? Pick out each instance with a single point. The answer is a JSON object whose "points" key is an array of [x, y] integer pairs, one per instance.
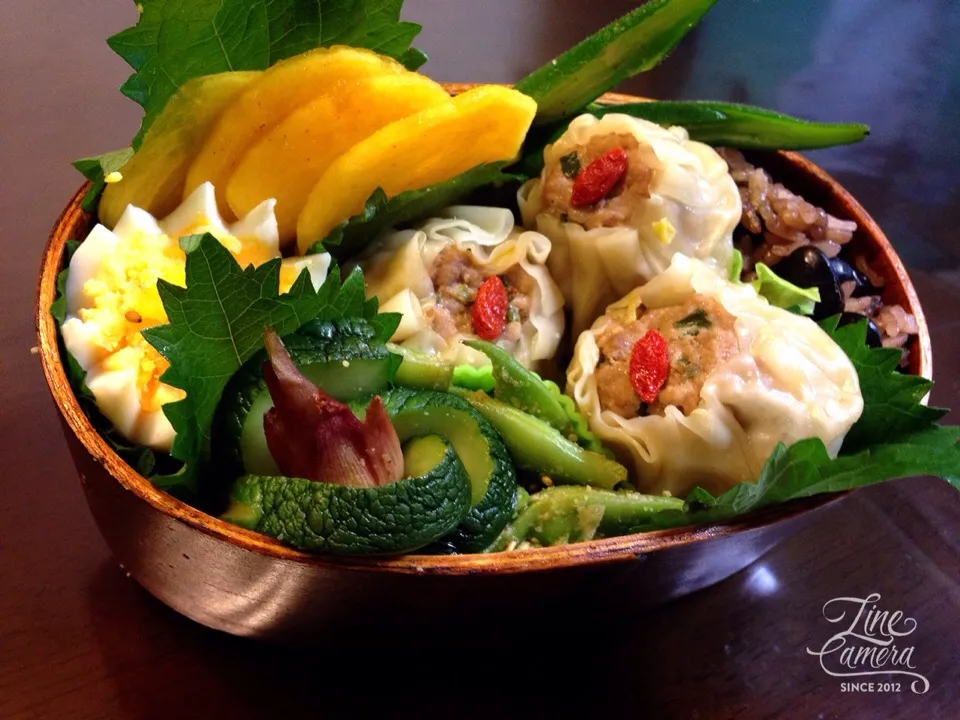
{"points": [[154, 177], [289, 160], [485, 124], [277, 93]]}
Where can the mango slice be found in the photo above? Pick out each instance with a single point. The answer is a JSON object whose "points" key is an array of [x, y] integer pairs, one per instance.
{"points": [[278, 92], [291, 158], [154, 177], [485, 124]]}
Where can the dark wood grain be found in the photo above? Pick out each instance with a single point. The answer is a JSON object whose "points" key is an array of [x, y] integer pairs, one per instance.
{"points": [[79, 640]]}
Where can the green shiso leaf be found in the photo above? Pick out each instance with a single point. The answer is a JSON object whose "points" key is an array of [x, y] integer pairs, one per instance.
{"points": [[96, 169], [805, 469], [174, 41], [892, 405], [216, 324], [381, 212]]}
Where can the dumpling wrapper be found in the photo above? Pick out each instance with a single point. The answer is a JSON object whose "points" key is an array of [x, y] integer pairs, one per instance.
{"points": [[789, 382], [693, 208], [396, 269]]}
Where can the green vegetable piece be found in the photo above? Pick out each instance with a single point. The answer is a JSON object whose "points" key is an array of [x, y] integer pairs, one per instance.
{"points": [[736, 266], [697, 319], [464, 434], [523, 499], [522, 388], [422, 454], [526, 390], [422, 371], [892, 400], [480, 449], [96, 169], [473, 378], [713, 123], [426, 372], [391, 519], [581, 428], [560, 515], [342, 357], [174, 41], [741, 126], [570, 164], [216, 324], [538, 447], [632, 44], [784, 294], [381, 212]]}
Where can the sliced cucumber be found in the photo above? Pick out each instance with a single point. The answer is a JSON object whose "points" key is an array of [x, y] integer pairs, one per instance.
{"points": [[414, 413], [481, 450], [419, 370], [425, 372], [391, 519]]}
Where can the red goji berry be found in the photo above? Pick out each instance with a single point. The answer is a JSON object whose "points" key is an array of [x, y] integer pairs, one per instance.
{"points": [[489, 312], [598, 178], [649, 365]]}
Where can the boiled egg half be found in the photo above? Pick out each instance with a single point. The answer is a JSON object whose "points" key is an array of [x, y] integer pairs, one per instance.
{"points": [[111, 296]]}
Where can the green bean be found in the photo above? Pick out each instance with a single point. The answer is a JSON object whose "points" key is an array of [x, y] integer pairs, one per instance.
{"points": [[570, 514], [740, 126], [629, 45]]}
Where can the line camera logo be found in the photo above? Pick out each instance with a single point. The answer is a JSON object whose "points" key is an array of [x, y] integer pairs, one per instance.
{"points": [[868, 647]]}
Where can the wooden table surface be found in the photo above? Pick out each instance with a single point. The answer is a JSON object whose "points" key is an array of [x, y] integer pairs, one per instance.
{"points": [[79, 640]]}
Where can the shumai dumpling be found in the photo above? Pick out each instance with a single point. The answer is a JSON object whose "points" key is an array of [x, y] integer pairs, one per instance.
{"points": [[431, 273], [743, 376], [676, 195]]}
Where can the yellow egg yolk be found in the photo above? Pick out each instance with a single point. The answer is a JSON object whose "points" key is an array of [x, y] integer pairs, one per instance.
{"points": [[664, 230]]}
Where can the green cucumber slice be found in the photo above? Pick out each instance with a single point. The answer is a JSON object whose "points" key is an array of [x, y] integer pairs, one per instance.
{"points": [[391, 519], [481, 450], [426, 372]]}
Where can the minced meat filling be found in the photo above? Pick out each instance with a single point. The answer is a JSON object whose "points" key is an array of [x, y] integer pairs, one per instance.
{"points": [[700, 337], [620, 203], [456, 278]]}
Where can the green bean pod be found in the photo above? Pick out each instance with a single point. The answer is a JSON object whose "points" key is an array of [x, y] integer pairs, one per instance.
{"points": [[740, 126]]}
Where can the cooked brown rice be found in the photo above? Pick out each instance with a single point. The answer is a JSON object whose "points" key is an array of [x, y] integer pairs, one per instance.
{"points": [[777, 221]]}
